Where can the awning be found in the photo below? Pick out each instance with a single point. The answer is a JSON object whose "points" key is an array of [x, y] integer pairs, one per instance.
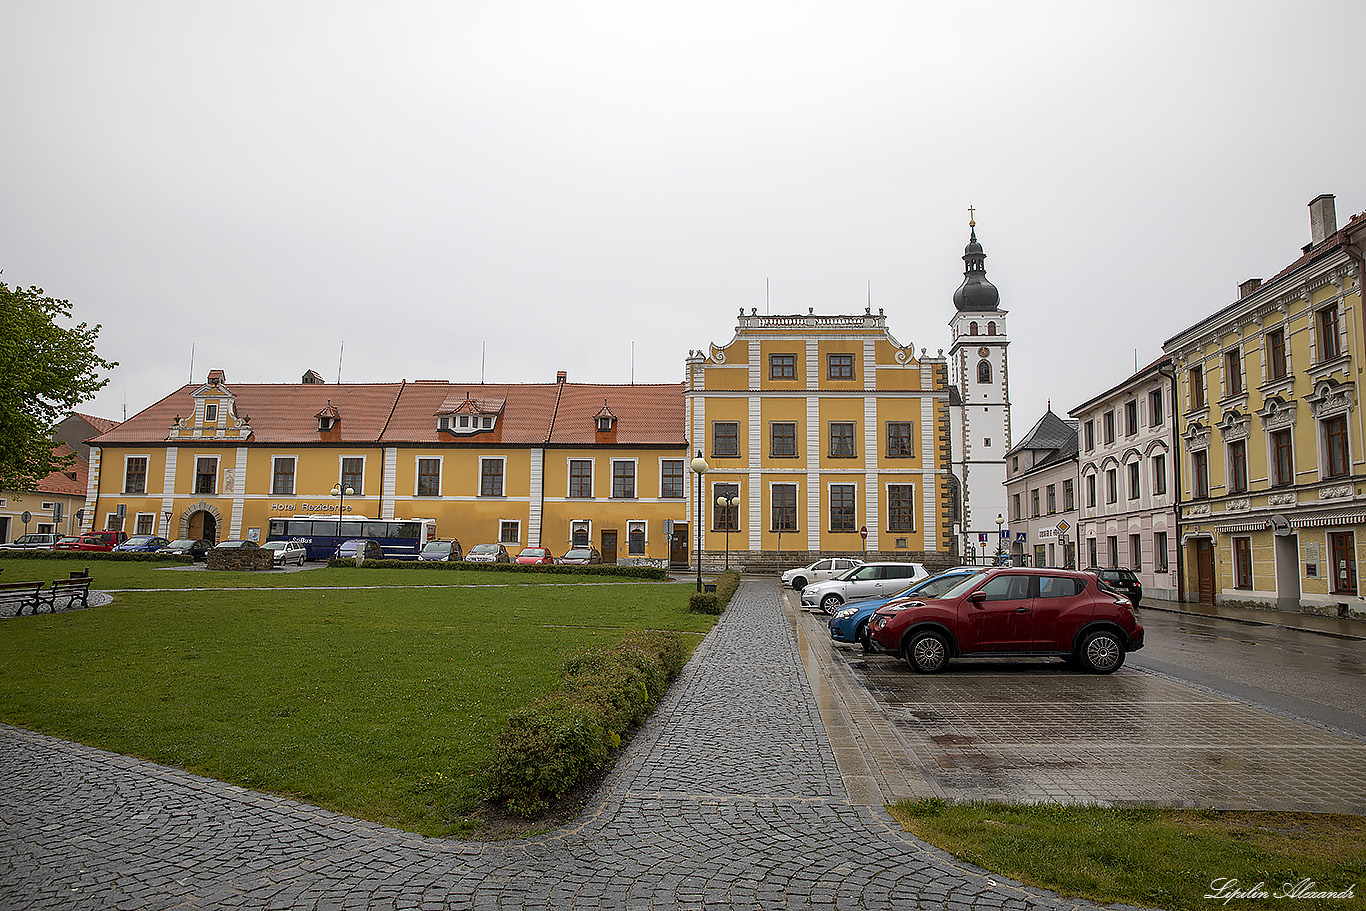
{"points": [[1346, 518], [1243, 526]]}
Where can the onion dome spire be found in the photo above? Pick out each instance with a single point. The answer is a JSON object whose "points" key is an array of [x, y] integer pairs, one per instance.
{"points": [[976, 293]]}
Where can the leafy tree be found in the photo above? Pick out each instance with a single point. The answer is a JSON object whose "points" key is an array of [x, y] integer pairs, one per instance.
{"points": [[45, 371]]}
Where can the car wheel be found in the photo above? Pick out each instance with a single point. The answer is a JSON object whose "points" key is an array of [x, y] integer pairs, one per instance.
{"points": [[927, 652], [864, 637], [799, 583], [1101, 652], [831, 603]]}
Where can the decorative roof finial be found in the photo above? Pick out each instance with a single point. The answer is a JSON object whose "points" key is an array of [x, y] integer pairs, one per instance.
{"points": [[972, 217]]}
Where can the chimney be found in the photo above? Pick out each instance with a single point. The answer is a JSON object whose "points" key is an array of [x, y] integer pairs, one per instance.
{"points": [[312, 378], [1247, 287], [216, 377], [1323, 219], [561, 377]]}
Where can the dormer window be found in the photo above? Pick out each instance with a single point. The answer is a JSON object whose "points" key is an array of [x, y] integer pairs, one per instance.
{"points": [[605, 418], [464, 420], [444, 424], [469, 415], [211, 414], [328, 418]]}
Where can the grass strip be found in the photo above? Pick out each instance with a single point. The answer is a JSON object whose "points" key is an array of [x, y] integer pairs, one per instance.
{"points": [[1153, 857]]}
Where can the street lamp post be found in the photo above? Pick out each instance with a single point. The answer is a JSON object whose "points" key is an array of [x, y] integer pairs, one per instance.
{"points": [[699, 467], [342, 492], [727, 503], [1001, 541]]}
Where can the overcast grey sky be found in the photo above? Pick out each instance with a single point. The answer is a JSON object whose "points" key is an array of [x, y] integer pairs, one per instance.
{"points": [[558, 181]]}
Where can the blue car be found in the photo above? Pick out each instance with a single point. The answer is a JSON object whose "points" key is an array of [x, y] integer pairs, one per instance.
{"points": [[851, 623], [141, 544]]}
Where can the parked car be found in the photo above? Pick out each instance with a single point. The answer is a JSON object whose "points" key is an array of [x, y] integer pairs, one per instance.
{"points": [[101, 540], [1012, 613], [820, 571], [581, 556], [536, 556], [286, 552], [1123, 581], [234, 543], [366, 548], [440, 550], [487, 553], [870, 580], [851, 623], [70, 542], [35, 541], [195, 548], [93, 540], [141, 544]]}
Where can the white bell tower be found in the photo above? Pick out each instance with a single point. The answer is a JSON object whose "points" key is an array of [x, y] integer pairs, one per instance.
{"points": [[979, 416]]}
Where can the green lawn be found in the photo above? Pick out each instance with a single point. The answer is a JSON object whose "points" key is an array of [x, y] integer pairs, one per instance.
{"points": [[381, 704], [1153, 858]]}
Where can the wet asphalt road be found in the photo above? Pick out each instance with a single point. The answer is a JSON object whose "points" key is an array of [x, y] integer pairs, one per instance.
{"points": [[1312, 677]]}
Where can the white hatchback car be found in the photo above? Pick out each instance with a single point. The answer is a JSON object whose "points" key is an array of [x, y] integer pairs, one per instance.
{"points": [[819, 571], [871, 580], [286, 552]]}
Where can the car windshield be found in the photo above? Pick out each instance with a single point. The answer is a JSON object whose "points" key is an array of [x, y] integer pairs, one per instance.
{"points": [[139, 539], [848, 574], [182, 542], [578, 552], [437, 547], [531, 552], [274, 545], [68, 540], [963, 585], [484, 549]]}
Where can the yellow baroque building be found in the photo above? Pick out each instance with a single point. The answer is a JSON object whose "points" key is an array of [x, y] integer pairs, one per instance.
{"points": [[822, 428], [1273, 448], [832, 436]]}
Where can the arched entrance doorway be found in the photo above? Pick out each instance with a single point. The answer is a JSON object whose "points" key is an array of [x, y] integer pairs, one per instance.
{"points": [[204, 525]]}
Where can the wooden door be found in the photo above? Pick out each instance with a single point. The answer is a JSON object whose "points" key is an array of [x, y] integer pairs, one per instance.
{"points": [[609, 545], [1342, 554], [678, 547], [1204, 569]]}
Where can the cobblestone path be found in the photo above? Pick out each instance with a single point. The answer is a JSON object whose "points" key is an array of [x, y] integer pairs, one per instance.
{"points": [[730, 798]]}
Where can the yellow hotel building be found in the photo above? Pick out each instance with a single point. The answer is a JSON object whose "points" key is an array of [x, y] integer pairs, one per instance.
{"points": [[820, 425], [1273, 444]]}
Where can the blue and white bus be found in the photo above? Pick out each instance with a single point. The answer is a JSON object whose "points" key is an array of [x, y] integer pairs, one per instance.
{"points": [[401, 539]]}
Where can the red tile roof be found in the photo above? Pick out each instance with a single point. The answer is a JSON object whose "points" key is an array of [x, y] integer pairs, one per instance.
{"points": [[531, 414], [61, 483]]}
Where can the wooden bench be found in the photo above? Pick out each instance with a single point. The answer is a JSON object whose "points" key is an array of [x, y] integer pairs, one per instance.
{"points": [[75, 589], [19, 594]]}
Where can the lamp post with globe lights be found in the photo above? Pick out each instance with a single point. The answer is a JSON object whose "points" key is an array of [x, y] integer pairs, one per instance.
{"points": [[699, 468], [1000, 539], [726, 502]]}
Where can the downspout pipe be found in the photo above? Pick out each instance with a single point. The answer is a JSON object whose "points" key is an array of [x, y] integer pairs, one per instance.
{"points": [[1176, 483]]}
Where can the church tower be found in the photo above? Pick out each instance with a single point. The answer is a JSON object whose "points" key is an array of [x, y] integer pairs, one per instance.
{"points": [[979, 418]]}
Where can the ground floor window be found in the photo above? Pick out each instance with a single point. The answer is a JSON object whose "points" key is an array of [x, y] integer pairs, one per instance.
{"points": [[842, 507], [1112, 545], [1242, 563], [725, 518], [784, 507], [146, 524], [635, 538], [1160, 551], [1091, 552], [1342, 551], [1136, 552], [901, 507], [510, 533]]}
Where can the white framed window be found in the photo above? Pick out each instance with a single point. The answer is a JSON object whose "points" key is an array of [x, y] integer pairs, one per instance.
{"points": [[510, 531], [206, 475], [581, 479], [145, 523], [427, 471], [901, 507], [580, 532], [134, 474], [282, 476], [635, 538], [491, 476], [672, 481], [624, 479], [351, 472], [211, 413]]}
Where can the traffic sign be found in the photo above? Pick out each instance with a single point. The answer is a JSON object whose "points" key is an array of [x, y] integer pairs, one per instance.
{"points": [[25, 516], [863, 532]]}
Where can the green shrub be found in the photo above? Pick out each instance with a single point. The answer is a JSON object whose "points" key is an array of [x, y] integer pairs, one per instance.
{"points": [[715, 602], [558, 741], [651, 573], [94, 555]]}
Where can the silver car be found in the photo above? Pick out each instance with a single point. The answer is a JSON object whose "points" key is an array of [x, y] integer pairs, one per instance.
{"points": [[820, 571], [871, 580], [286, 552]]}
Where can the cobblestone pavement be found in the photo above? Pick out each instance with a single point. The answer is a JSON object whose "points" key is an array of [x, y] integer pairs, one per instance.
{"points": [[730, 798], [1030, 730]]}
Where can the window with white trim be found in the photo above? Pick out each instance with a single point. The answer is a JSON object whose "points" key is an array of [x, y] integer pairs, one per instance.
{"points": [[282, 476]]}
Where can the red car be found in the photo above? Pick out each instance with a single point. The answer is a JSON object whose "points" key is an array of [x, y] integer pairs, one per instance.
{"points": [[1009, 613], [93, 540], [535, 556]]}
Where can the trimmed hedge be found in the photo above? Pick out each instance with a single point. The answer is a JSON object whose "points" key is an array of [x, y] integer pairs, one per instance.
{"points": [[93, 555], [715, 602], [652, 573], [561, 739]]}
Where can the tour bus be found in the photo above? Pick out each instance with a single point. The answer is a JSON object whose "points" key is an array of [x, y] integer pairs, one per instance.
{"points": [[401, 539]]}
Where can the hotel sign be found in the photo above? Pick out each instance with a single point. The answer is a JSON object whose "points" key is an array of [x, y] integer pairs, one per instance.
{"points": [[293, 508]]}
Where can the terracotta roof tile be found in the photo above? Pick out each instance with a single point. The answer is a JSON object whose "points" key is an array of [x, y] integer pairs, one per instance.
{"points": [[645, 415], [60, 483]]}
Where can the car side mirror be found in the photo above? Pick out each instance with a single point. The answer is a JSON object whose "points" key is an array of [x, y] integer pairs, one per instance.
{"points": [[977, 598]]}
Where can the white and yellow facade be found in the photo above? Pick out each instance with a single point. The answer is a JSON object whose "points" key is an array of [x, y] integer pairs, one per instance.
{"points": [[1272, 437], [825, 428]]}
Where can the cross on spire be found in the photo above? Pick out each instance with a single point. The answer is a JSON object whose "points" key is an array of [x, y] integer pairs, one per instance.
{"points": [[972, 217]]}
